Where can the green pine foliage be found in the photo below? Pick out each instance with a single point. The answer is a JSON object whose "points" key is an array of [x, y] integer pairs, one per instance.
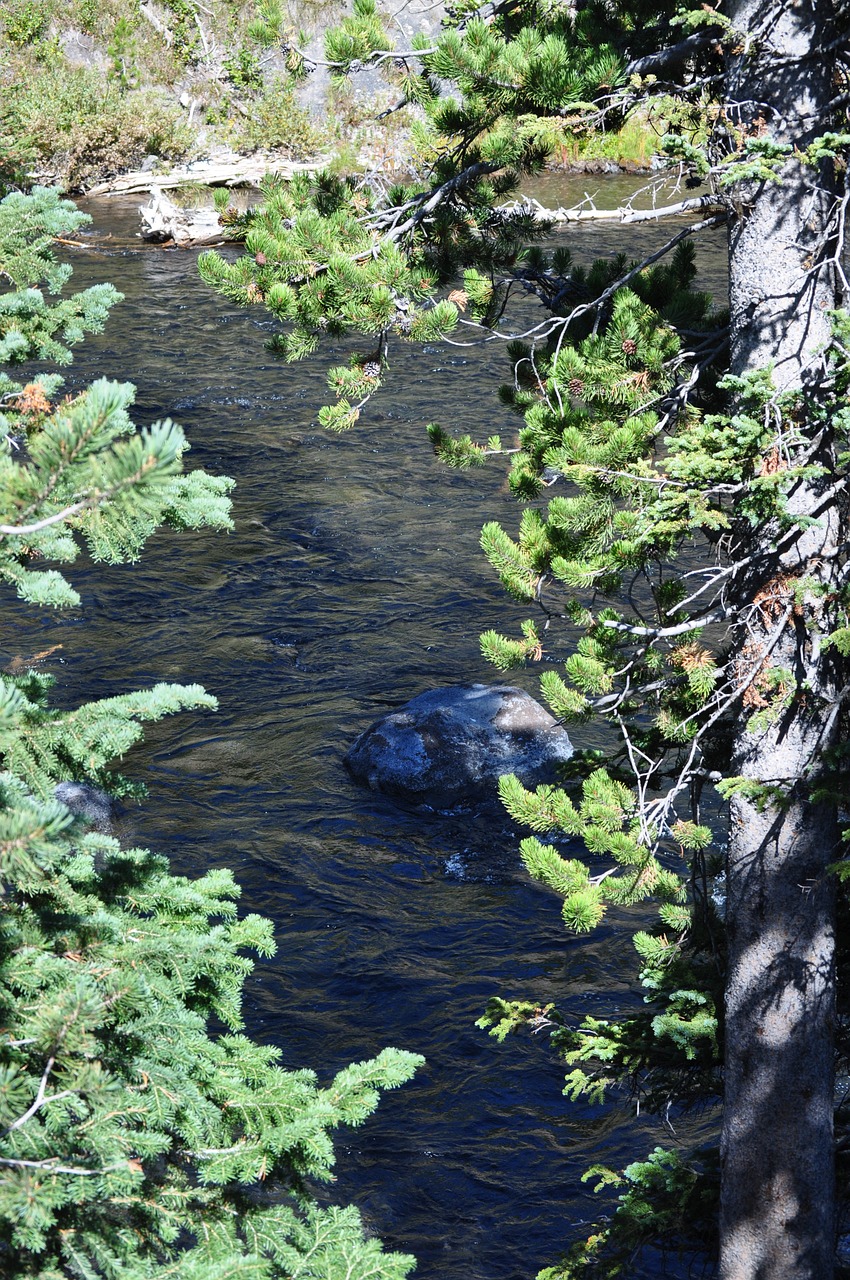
{"points": [[596, 400], [664, 1189], [328, 256], [644, 479], [43, 746], [142, 1132], [608, 824], [76, 470], [357, 37], [31, 327], [79, 469], [519, 69]]}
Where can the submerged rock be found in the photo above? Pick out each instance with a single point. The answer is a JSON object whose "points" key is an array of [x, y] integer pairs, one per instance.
{"points": [[86, 801], [450, 746]]}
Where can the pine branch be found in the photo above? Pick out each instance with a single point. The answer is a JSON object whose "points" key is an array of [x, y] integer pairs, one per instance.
{"points": [[21, 530], [50, 1165], [667, 633], [41, 1100], [429, 201]]}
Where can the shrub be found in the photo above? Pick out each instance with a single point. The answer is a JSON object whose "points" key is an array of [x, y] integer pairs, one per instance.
{"points": [[72, 122], [86, 14], [26, 20], [243, 70], [278, 123], [123, 53]]}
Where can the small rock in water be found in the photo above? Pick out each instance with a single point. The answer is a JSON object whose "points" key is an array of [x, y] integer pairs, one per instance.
{"points": [[86, 801], [450, 746]]}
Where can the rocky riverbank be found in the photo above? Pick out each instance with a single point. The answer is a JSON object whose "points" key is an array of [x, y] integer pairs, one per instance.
{"points": [[89, 93], [94, 94]]}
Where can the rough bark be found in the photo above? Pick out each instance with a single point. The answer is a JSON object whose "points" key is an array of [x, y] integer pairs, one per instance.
{"points": [[779, 304], [777, 1197]]}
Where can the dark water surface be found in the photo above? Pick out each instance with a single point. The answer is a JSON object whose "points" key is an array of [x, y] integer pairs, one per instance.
{"points": [[352, 582]]}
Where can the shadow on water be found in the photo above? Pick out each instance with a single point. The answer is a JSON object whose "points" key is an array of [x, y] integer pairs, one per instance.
{"points": [[353, 581]]}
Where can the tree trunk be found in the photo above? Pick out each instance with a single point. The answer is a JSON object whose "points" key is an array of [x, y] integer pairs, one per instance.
{"points": [[777, 1153], [777, 1192]]}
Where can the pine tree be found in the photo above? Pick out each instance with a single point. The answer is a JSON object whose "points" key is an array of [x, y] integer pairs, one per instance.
{"points": [[142, 1132], [665, 428]]}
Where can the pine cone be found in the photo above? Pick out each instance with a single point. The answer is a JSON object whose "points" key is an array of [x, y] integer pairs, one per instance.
{"points": [[371, 369], [629, 346], [576, 386], [260, 259]]}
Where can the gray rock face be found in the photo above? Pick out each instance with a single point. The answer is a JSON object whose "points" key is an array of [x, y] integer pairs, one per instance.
{"points": [[80, 50], [450, 746]]}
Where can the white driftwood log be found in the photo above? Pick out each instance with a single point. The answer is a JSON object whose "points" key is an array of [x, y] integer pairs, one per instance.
{"points": [[244, 172], [586, 210], [163, 220]]}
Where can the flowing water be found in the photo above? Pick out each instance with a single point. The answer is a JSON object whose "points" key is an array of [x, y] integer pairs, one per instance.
{"points": [[352, 582]]}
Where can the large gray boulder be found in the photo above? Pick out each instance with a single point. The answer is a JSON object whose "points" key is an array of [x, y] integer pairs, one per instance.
{"points": [[449, 746]]}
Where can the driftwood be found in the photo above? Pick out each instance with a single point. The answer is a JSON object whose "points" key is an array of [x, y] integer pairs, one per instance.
{"points": [[245, 172], [586, 211], [160, 27], [163, 220]]}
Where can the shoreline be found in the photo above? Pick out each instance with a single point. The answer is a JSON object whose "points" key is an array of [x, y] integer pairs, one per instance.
{"points": [[248, 169]]}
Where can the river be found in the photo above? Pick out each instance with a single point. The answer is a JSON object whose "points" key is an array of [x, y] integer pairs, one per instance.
{"points": [[352, 582]]}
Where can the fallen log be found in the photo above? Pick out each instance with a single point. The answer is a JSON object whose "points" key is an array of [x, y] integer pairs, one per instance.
{"points": [[586, 211], [245, 172]]}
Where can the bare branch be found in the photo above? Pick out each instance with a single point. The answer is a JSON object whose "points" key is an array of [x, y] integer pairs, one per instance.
{"points": [[674, 57], [50, 1166], [623, 214], [22, 530], [667, 633], [428, 201], [41, 1099], [377, 55]]}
